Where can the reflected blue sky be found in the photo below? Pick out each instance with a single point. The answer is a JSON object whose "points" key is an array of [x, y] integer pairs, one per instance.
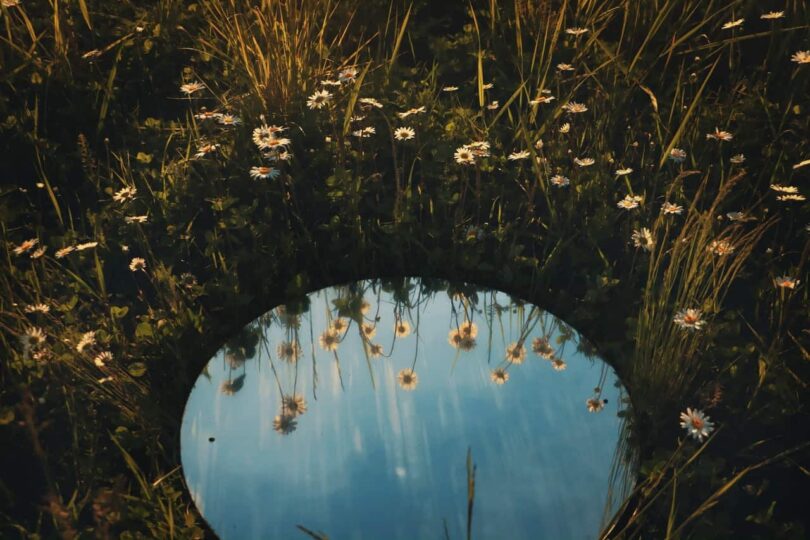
{"points": [[370, 459]]}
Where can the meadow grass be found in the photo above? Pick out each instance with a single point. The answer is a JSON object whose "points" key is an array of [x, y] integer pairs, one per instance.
{"points": [[655, 77]]}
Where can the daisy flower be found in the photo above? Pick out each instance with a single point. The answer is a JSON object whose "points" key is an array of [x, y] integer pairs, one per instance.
{"points": [[801, 57], [479, 148], [690, 318], [371, 102], [670, 208], [643, 239], [407, 379], [365, 132], [404, 133], [135, 219], [784, 189], [34, 336], [137, 263], [732, 24], [677, 155], [59, 253], [25, 246], [86, 245], [409, 112], [565, 67], [488, 86], [228, 120], [737, 216], [450, 89], [516, 353], [493, 105], [786, 282], [539, 100], [39, 252], [88, 339], [771, 15], [576, 31], [204, 149], [791, 197], [319, 99], [499, 376], [37, 308], [265, 133], [574, 108], [125, 194], [514, 156], [584, 162], [330, 82], [629, 202], [565, 128], [560, 180], [191, 88], [737, 159], [721, 247], [464, 156], [624, 172], [348, 74], [719, 135], [402, 329], [103, 358], [696, 424], [263, 173], [204, 115]]}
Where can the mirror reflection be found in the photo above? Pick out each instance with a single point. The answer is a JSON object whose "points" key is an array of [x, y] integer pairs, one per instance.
{"points": [[404, 409]]}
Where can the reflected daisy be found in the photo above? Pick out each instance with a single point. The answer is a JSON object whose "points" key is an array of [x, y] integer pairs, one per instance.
{"points": [[595, 404], [369, 330], [402, 329], [696, 424], [288, 351], [542, 348], [284, 424], [690, 318], [375, 350], [516, 353], [454, 338], [499, 376], [558, 364], [468, 329], [329, 340], [407, 379], [294, 405], [339, 325]]}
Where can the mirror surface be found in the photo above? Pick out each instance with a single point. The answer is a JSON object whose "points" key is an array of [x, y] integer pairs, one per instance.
{"points": [[379, 409]]}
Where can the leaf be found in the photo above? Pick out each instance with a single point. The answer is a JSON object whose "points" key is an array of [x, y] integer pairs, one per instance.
{"points": [[138, 369], [119, 312], [143, 331]]}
